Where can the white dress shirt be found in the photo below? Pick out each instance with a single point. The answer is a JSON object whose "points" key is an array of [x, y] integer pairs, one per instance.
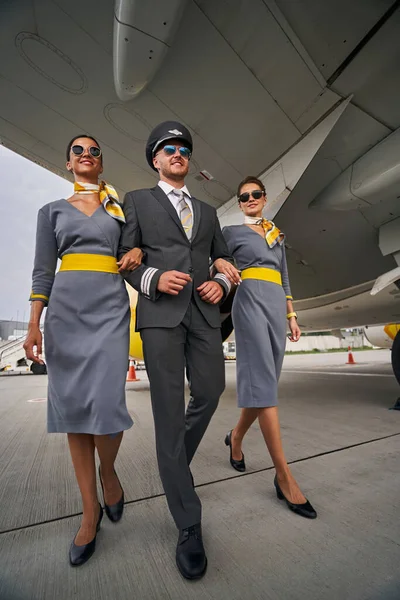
{"points": [[167, 189]]}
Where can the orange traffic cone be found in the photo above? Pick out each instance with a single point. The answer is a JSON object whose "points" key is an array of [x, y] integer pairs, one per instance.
{"points": [[132, 372], [350, 359]]}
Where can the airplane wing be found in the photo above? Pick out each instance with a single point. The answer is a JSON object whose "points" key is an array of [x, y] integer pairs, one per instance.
{"points": [[250, 79]]}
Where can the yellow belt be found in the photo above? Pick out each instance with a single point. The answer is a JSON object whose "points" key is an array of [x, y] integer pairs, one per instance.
{"points": [[262, 273], [89, 262]]}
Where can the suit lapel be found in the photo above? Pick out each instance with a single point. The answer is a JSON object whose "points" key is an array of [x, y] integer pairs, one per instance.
{"points": [[166, 204], [196, 216]]}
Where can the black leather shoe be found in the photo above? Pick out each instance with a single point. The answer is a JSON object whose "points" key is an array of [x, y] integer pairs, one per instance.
{"points": [[78, 555], [113, 512], [191, 558], [239, 465], [305, 509]]}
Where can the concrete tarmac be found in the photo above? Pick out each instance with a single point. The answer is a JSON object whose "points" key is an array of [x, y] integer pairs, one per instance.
{"points": [[343, 444]]}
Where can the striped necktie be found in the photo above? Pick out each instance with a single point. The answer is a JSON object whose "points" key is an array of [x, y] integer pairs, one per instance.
{"points": [[184, 212]]}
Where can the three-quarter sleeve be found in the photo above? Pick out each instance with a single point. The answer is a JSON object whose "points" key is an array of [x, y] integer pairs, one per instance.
{"points": [[285, 275], [219, 249], [226, 232], [45, 259]]}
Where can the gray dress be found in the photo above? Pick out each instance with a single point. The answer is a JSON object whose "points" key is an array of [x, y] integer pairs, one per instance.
{"points": [[86, 330], [259, 318]]}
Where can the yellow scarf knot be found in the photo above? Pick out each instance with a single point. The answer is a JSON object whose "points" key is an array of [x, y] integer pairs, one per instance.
{"points": [[273, 235], [108, 197]]}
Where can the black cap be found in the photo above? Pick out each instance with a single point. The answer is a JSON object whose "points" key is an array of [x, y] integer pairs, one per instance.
{"points": [[169, 130]]}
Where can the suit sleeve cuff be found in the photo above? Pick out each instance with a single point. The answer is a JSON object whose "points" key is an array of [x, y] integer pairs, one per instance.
{"points": [[148, 283], [224, 281]]}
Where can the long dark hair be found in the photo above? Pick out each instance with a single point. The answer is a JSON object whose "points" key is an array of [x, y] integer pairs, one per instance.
{"points": [[82, 135]]}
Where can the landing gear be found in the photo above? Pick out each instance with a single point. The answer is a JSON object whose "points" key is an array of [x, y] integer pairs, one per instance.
{"points": [[226, 315], [396, 365], [226, 328]]}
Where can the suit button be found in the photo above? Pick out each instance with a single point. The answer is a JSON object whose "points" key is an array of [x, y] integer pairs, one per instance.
{"points": [[190, 269]]}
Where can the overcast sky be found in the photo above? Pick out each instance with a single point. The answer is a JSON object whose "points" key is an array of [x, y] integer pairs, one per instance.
{"points": [[25, 187]]}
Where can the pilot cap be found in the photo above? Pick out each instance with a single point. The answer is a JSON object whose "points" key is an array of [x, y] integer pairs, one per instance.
{"points": [[169, 130]]}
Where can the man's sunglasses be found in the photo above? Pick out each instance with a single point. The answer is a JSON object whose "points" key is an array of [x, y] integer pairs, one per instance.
{"points": [[170, 151], [78, 150], [255, 194]]}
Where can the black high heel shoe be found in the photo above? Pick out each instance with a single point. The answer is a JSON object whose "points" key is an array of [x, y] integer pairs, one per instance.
{"points": [[113, 512], [304, 510], [239, 465], [78, 555]]}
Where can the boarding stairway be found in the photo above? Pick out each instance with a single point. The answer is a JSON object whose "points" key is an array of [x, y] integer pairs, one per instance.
{"points": [[12, 356]]}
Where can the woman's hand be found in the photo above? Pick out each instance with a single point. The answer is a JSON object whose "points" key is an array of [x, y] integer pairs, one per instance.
{"points": [[294, 330], [225, 267], [33, 344], [131, 260]]}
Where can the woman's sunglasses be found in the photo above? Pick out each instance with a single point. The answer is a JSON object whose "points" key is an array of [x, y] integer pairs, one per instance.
{"points": [[170, 151], [255, 194], [78, 150]]}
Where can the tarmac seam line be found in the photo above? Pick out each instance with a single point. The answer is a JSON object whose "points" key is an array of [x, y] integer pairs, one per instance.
{"points": [[292, 462]]}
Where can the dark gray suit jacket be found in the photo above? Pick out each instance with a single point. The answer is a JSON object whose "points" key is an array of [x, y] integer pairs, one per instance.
{"points": [[153, 225]]}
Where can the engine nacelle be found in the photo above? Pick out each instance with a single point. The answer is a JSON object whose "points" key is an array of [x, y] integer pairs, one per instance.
{"points": [[382, 336], [372, 179]]}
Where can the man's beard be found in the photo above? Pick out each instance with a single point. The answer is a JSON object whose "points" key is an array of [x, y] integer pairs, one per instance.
{"points": [[175, 176]]}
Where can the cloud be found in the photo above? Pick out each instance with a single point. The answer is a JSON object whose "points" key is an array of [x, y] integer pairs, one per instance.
{"points": [[25, 187]]}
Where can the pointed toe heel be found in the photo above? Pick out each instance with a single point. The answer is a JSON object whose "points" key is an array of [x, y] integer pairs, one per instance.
{"points": [[238, 465], [78, 555], [304, 510], [114, 511]]}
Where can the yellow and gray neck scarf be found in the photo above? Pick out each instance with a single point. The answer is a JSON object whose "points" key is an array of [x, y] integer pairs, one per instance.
{"points": [[108, 197], [273, 235]]}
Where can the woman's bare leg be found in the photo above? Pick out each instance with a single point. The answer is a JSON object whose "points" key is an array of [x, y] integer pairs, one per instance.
{"points": [[107, 449], [247, 418], [81, 446], [269, 424]]}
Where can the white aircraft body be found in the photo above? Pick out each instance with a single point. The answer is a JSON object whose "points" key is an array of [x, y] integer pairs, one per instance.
{"points": [[303, 94]]}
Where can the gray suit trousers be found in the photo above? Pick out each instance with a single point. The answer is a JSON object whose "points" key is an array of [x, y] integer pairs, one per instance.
{"points": [[167, 351]]}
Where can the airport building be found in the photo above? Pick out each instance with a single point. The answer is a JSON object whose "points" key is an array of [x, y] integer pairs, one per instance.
{"points": [[11, 330]]}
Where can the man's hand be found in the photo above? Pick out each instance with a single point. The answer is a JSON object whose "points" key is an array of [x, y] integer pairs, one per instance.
{"points": [[173, 282], [294, 330], [33, 344], [225, 267], [211, 292], [131, 260]]}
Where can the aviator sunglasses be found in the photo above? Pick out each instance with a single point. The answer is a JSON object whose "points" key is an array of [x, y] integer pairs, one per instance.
{"points": [[170, 151], [255, 194], [78, 150]]}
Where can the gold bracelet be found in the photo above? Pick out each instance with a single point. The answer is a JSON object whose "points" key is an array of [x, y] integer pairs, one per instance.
{"points": [[290, 315]]}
